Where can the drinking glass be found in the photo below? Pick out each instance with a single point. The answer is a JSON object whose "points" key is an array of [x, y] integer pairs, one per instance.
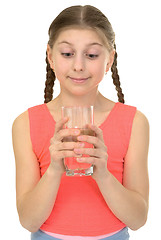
{"points": [[79, 118]]}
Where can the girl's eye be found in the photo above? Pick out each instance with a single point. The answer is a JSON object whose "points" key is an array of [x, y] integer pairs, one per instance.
{"points": [[92, 56], [67, 54]]}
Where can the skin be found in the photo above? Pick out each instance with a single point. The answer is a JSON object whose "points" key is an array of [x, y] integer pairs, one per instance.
{"points": [[70, 58]]}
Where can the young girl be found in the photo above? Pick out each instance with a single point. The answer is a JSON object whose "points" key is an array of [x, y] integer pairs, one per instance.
{"points": [[51, 205]]}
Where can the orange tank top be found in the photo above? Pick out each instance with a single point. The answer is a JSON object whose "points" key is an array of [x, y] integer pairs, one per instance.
{"points": [[80, 209]]}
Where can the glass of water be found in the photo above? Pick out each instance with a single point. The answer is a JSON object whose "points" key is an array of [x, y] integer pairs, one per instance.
{"points": [[79, 118]]}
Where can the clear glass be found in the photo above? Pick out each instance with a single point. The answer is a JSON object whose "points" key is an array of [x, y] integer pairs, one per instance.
{"points": [[79, 117]]}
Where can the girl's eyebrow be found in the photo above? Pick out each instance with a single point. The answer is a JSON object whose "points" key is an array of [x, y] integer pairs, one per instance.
{"points": [[90, 44], [65, 42]]}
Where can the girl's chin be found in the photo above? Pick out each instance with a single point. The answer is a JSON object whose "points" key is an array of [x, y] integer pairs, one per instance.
{"points": [[78, 92]]}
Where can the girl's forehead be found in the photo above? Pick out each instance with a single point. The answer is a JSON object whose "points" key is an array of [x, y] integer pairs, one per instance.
{"points": [[78, 34]]}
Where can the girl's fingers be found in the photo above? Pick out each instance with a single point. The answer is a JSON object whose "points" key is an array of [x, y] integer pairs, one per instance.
{"points": [[92, 152], [97, 140], [59, 125], [66, 134], [68, 145], [97, 143], [62, 154], [97, 131], [88, 151], [96, 162], [90, 160]]}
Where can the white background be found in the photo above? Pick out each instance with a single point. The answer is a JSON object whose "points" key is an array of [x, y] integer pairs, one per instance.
{"points": [[24, 35]]}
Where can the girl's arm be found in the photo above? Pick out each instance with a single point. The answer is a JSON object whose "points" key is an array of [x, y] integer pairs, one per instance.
{"points": [[35, 196], [129, 202]]}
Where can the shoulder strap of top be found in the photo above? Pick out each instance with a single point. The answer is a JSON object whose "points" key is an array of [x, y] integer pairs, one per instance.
{"points": [[120, 123], [41, 127], [125, 117]]}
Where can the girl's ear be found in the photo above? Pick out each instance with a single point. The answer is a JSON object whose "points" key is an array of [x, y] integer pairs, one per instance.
{"points": [[111, 59], [49, 56]]}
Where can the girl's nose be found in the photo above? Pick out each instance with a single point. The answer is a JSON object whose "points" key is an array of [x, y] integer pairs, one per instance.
{"points": [[78, 64]]}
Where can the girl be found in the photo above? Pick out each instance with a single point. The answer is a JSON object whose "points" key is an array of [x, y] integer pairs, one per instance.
{"points": [[51, 205]]}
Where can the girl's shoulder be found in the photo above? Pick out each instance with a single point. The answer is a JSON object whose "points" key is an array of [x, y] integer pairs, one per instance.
{"points": [[20, 126], [139, 117], [140, 121], [21, 120]]}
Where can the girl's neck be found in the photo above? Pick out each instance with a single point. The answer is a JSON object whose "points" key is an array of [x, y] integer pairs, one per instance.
{"points": [[66, 100], [102, 106]]}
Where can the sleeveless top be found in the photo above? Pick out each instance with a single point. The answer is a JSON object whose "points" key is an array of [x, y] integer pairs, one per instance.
{"points": [[80, 209]]}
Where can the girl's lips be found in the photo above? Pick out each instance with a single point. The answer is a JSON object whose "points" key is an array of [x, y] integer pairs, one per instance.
{"points": [[78, 80]]}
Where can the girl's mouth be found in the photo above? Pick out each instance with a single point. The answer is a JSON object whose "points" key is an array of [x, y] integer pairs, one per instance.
{"points": [[79, 80]]}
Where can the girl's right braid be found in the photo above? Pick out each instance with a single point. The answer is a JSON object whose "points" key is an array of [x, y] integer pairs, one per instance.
{"points": [[49, 84], [116, 80]]}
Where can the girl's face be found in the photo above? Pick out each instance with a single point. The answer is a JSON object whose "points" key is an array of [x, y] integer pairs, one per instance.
{"points": [[79, 60]]}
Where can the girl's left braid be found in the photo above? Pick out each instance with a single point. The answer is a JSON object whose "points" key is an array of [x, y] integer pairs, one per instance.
{"points": [[49, 84]]}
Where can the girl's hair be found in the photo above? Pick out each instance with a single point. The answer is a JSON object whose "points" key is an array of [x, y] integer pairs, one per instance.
{"points": [[85, 17]]}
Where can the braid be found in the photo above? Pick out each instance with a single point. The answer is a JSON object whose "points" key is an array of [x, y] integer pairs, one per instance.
{"points": [[50, 78], [116, 80]]}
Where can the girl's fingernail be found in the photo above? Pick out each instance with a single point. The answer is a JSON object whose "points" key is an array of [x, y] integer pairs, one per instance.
{"points": [[76, 132], [77, 150], [80, 138], [81, 144], [79, 159]]}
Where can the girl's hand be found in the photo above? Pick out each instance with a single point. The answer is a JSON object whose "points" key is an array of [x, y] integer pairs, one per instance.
{"points": [[59, 149], [98, 155]]}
